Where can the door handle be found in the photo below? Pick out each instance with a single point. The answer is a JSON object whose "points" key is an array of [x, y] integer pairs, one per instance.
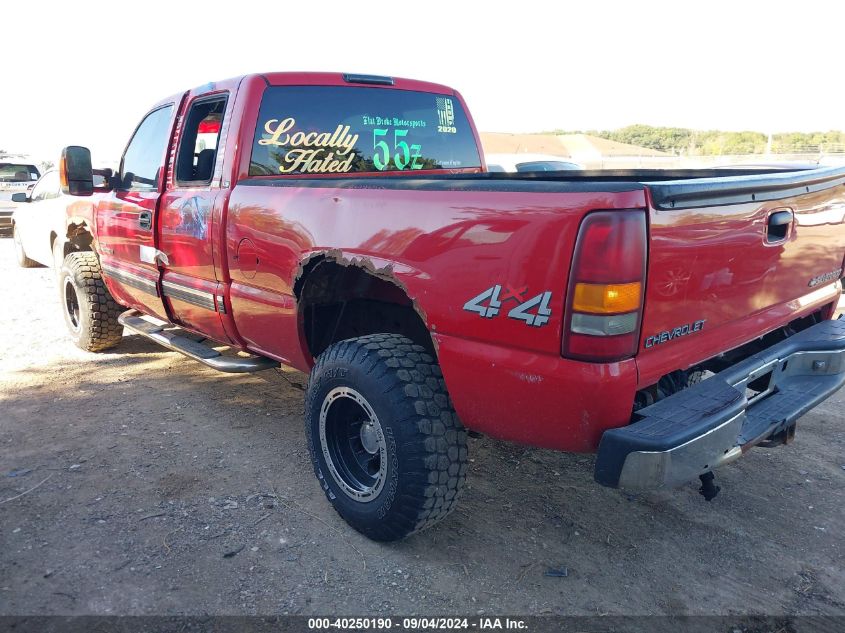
{"points": [[145, 220], [779, 218], [778, 225]]}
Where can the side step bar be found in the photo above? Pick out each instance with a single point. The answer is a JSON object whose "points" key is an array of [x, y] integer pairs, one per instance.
{"points": [[173, 337]]}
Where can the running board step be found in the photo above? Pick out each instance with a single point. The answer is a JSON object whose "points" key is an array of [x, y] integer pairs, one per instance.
{"points": [[175, 338]]}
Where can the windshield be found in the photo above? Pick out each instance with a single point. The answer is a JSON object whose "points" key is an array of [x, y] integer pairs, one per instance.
{"points": [[14, 172], [334, 130]]}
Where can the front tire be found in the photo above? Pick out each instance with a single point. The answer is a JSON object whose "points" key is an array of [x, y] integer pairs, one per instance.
{"points": [[90, 311], [385, 442], [20, 253]]}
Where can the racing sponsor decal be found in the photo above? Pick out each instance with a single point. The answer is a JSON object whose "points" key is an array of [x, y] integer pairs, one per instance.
{"points": [[833, 275], [534, 311], [402, 154], [671, 335]]}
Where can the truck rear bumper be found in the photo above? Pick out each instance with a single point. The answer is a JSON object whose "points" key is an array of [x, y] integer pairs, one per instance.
{"points": [[718, 420]]}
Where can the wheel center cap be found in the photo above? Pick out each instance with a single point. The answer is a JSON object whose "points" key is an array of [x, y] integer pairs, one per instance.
{"points": [[369, 439]]}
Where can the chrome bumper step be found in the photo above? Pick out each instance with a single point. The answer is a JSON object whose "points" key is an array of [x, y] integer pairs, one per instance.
{"points": [[175, 338]]}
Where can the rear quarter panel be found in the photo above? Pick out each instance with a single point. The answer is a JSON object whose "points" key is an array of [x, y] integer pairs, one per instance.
{"points": [[443, 248]]}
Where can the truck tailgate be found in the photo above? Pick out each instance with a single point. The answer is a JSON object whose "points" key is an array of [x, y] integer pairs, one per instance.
{"points": [[731, 258]]}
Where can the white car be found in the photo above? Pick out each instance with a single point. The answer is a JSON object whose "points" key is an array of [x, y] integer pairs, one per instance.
{"points": [[15, 177], [528, 163], [37, 219]]}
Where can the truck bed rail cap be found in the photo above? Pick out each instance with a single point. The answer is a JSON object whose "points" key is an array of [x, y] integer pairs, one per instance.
{"points": [[724, 190]]}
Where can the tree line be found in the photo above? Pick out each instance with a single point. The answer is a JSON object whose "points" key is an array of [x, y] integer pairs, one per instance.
{"points": [[684, 141]]}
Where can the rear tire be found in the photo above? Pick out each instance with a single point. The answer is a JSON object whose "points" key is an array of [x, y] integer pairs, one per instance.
{"points": [[20, 253], [90, 311], [385, 442]]}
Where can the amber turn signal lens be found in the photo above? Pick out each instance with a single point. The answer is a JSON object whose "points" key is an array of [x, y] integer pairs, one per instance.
{"points": [[607, 298], [62, 173]]}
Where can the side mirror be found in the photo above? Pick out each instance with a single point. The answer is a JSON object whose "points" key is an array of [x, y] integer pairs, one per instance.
{"points": [[104, 180], [20, 197], [75, 171]]}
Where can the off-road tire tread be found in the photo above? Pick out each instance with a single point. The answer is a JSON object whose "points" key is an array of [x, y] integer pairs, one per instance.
{"points": [[105, 331], [436, 455]]}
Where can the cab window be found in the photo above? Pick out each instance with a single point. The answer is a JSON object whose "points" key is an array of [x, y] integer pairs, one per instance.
{"points": [[141, 166], [198, 144], [47, 188], [342, 130]]}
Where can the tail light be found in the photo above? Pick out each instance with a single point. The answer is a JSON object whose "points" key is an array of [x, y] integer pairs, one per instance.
{"points": [[606, 287]]}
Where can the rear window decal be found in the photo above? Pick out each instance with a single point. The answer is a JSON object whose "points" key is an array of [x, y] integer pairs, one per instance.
{"points": [[446, 116], [338, 130], [309, 152]]}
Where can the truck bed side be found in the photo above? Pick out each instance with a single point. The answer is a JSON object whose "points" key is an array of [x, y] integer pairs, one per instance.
{"points": [[443, 242]]}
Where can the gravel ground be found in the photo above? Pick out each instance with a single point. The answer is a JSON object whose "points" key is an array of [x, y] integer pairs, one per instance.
{"points": [[166, 488]]}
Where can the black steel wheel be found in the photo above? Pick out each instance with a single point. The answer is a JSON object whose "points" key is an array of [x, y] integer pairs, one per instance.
{"points": [[73, 316], [353, 443], [90, 311]]}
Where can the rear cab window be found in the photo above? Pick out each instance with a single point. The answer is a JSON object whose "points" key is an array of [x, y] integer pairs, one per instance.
{"points": [[305, 130], [198, 144]]}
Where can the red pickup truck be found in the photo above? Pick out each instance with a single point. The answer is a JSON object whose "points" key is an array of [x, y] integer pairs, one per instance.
{"points": [[345, 225]]}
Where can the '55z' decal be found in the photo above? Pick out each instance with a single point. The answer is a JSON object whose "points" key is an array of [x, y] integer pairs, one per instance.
{"points": [[534, 311]]}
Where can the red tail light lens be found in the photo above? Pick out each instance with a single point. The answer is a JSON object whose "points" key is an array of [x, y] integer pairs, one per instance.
{"points": [[606, 287]]}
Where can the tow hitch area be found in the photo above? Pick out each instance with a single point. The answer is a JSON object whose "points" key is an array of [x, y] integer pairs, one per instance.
{"points": [[755, 402], [786, 436], [708, 489]]}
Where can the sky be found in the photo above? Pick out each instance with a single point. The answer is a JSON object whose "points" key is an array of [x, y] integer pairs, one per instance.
{"points": [[86, 72]]}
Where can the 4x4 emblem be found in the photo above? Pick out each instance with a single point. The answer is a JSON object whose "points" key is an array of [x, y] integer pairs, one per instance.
{"points": [[489, 303]]}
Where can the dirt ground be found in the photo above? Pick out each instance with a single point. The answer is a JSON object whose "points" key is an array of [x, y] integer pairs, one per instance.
{"points": [[167, 488]]}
